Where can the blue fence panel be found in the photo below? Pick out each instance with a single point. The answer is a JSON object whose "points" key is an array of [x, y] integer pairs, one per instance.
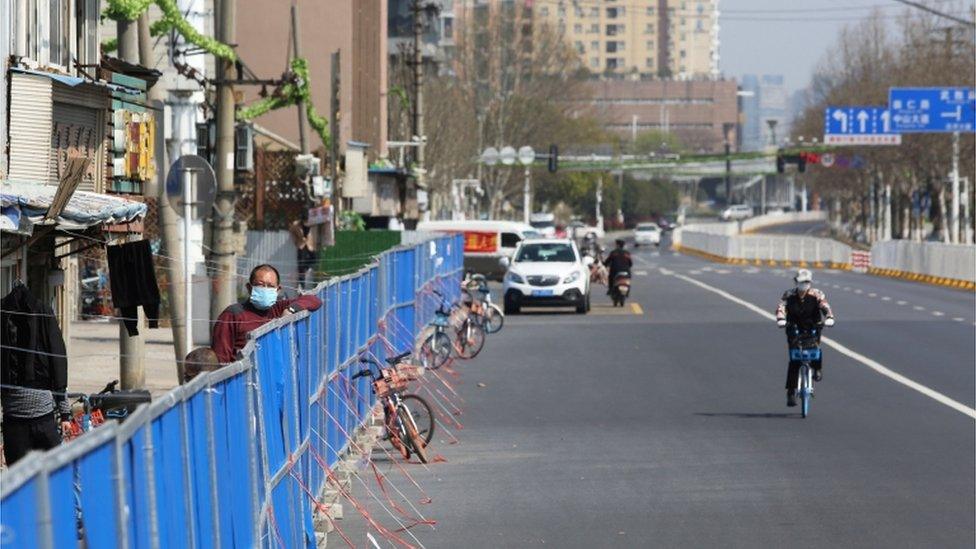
{"points": [[137, 494], [22, 529], [234, 437], [169, 469], [200, 463]]}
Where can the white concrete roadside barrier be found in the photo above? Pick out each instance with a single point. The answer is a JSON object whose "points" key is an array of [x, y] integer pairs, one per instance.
{"points": [[952, 265], [773, 219]]}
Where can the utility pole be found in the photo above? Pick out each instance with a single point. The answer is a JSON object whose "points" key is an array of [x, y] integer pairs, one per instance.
{"points": [[955, 188], [418, 82], [527, 196], [224, 255], [335, 84], [296, 48], [168, 219], [132, 371], [599, 202]]}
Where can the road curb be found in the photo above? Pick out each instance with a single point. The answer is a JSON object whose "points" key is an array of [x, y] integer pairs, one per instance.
{"points": [[965, 285]]}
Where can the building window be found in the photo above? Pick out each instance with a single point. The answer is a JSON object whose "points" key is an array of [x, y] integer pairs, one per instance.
{"points": [[595, 45], [683, 21], [561, 11], [612, 63], [580, 48], [682, 54], [649, 45], [649, 62], [544, 11], [612, 13], [684, 36], [649, 29], [650, 10], [578, 28], [621, 46], [594, 28], [594, 12], [579, 12], [595, 62], [611, 47], [699, 26], [448, 32]]}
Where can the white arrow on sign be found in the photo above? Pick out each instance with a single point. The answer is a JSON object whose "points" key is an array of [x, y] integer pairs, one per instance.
{"points": [[885, 121], [957, 114], [862, 117], [841, 117]]}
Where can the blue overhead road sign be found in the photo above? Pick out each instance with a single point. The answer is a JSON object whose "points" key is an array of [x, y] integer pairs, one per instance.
{"points": [[859, 126], [923, 110]]}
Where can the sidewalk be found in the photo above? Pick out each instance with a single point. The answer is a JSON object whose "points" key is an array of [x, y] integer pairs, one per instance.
{"points": [[93, 357]]}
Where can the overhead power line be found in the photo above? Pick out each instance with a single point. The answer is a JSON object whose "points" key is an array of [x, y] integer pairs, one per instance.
{"points": [[934, 11]]}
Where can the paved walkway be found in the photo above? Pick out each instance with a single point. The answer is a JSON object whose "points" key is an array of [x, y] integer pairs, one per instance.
{"points": [[93, 357]]}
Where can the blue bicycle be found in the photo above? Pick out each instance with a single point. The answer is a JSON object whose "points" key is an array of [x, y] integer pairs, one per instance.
{"points": [[805, 350]]}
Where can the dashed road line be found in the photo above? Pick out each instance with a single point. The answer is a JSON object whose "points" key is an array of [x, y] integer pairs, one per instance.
{"points": [[918, 308], [844, 350], [902, 302], [872, 294], [885, 298], [858, 291], [938, 313], [959, 319]]}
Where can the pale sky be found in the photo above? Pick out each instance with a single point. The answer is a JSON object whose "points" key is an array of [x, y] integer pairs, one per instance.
{"points": [[786, 37]]}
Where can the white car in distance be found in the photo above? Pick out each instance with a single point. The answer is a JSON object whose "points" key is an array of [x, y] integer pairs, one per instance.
{"points": [[736, 212], [547, 273], [647, 233]]}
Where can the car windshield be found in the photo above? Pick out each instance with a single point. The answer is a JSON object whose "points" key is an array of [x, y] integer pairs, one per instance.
{"points": [[643, 228], [555, 252], [542, 224]]}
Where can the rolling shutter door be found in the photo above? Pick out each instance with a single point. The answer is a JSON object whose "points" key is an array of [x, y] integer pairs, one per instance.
{"points": [[30, 128], [77, 132]]}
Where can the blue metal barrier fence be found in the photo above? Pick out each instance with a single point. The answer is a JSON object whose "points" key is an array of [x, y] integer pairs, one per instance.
{"points": [[234, 458]]}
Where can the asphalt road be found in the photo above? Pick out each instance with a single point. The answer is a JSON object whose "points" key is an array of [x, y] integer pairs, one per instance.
{"points": [[665, 425]]}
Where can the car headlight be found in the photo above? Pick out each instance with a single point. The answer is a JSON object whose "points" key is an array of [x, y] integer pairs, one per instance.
{"points": [[572, 278], [515, 277]]}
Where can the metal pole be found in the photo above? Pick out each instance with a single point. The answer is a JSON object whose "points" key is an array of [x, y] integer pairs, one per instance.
{"points": [[527, 196], [599, 202], [954, 223], [762, 199], [295, 42], [728, 173], [418, 76], [224, 273], [188, 177]]}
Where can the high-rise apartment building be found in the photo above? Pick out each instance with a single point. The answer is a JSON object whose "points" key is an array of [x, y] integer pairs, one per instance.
{"points": [[664, 38]]}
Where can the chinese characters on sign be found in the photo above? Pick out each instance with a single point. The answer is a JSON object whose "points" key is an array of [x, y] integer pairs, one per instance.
{"points": [[480, 242], [932, 109], [859, 126]]}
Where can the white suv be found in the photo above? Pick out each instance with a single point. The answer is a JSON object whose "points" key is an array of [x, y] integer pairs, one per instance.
{"points": [[547, 272], [647, 233]]}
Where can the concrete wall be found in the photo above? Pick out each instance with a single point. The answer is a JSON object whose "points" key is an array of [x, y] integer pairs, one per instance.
{"points": [[935, 259]]}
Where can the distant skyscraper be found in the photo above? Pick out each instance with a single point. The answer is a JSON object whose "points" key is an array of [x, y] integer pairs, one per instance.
{"points": [[769, 101]]}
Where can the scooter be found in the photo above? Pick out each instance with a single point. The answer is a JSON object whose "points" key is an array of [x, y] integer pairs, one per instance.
{"points": [[621, 288]]}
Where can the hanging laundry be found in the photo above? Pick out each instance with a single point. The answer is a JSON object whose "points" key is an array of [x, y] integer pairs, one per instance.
{"points": [[133, 281], [34, 373]]}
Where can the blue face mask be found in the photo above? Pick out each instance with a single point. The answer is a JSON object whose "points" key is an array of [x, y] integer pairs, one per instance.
{"points": [[263, 298]]}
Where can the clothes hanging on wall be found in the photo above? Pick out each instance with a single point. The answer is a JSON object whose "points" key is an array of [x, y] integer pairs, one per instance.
{"points": [[133, 282], [32, 357]]}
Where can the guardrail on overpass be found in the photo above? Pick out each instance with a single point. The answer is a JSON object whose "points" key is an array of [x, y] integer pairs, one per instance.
{"points": [[951, 265], [234, 458]]}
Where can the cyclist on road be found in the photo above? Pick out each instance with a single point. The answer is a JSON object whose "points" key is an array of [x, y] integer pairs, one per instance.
{"points": [[803, 308], [618, 261]]}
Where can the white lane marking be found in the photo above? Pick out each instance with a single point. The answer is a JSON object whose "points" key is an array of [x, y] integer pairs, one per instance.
{"points": [[938, 313], [751, 270], [656, 254], [872, 294], [918, 308], [694, 272], [885, 298], [959, 319], [858, 291], [847, 288], [640, 273], [706, 269], [902, 302], [722, 271], [877, 367]]}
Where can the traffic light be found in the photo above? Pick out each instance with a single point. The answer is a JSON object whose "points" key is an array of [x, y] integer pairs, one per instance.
{"points": [[553, 158], [801, 163]]}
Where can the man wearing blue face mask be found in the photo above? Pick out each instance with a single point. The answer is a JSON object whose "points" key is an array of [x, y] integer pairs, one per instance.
{"points": [[263, 305]]}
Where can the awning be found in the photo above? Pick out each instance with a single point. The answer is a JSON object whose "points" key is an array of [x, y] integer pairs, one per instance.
{"points": [[73, 81], [85, 209]]}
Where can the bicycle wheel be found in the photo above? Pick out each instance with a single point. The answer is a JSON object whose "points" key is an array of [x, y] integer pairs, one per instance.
{"points": [[423, 416], [413, 437], [395, 433], [805, 390], [435, 351], [470, 339], [495, 319]]}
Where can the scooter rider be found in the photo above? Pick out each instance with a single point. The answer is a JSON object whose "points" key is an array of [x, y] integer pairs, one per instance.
{"points": [[618, 261], [805, 308]]}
